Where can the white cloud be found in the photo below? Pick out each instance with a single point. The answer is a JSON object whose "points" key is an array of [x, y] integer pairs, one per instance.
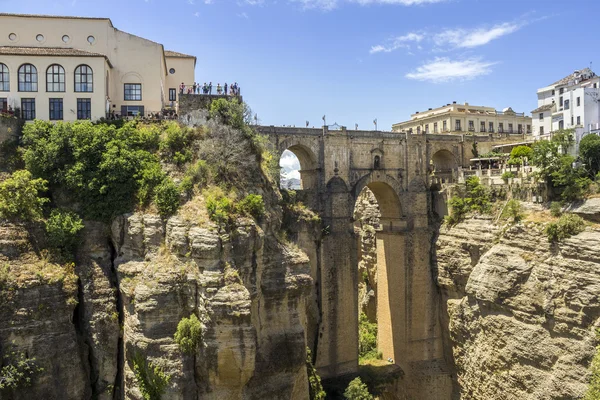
{"points": [[196, 14], [443, 69], [327, 5], [469, 38], [398, 42], [243, 15], [289, 162]]}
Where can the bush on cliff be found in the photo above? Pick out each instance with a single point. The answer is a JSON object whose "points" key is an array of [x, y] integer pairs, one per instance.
{"points": [[567, 226], [17, 371], [315, 388], [20, 197], [167, 197], [593, 392], [151, 379], [101, 166], [252, 205], [367, 339], [513, 210], [63, 228], [189, 334], [357, 390]]}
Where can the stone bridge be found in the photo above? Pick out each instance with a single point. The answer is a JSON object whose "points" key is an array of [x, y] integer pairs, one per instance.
{"points": [[398, 168]]}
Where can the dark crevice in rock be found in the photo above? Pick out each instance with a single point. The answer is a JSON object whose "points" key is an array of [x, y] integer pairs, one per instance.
{"points": [[84, 345], [319, 303], [118, 391]]}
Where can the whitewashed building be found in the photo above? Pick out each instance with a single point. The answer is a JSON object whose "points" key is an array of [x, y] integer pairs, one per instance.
{"points": [[571, 102]]}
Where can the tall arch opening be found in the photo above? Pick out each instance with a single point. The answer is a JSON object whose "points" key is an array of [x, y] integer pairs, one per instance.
{"points": [[377, 224], [298, 168], [443, 165]]}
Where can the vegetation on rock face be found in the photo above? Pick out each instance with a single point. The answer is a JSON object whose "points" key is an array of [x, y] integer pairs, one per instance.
{"points": [[101, 166], [558, 168], [367, 339], [357, 390], [189, 334], [17, 371], [252, 205], [555, 209], [477, 199], [567, 226], [593, 392], [315, 388], [63, 228], [167, 197], [589, 150], [20, 197], [513, 210], [151, 379]]}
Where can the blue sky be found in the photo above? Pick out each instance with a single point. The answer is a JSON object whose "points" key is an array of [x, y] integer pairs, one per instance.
{"points": [[356, 60]]}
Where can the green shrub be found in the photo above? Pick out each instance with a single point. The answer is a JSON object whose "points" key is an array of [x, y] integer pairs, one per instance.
{"points": [[555, 209], [593, 392], [17, 371], [219, 206], [62, 228], [167, 197], [150, 176], [567, 226], [357, 390], [367, 339], [189, 334], [458, 210], [197, 174], [252, 205], [315, 388], [507, 175], [152, 381], [176, 143], [100, 166], [478, 198], [519, 154], [19, 197], [229, 112], [513, 210]]}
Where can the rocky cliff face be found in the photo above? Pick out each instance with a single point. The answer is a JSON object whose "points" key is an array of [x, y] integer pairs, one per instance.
{"points": [[521, 312], [132, 284]]}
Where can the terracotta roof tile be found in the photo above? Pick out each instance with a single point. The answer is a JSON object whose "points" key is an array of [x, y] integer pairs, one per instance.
{"points": [[48, 51], [169, 53], [545, 107]]}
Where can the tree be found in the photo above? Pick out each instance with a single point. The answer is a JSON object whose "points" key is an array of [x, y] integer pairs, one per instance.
{"points": [[357, 390], [189, 334], [589, 150], [519, 154], [19, 196]]}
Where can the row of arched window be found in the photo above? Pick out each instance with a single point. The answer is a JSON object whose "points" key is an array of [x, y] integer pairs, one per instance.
{"points": [[55, 78]]}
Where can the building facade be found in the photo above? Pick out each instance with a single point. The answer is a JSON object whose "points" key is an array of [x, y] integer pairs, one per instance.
{"points": [[465, 118], [69, 68], [572, 102]]}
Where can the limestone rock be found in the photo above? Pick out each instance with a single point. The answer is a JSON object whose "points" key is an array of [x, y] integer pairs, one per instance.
{"points": [[521, 312]]}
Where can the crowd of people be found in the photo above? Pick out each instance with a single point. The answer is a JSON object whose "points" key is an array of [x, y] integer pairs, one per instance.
{"points": [[196, 88]]}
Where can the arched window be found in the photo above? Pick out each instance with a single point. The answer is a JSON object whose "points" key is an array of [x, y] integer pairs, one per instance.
{"points": [[84, 79], [377, 162], [28, 78], [4, 78], [55, 78]]}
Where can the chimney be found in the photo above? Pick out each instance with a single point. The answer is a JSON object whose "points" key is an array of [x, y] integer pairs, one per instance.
{"points": [[466, 104], [453, 102]]}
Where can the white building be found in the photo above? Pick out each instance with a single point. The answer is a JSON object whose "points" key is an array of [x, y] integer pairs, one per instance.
{"points": [[465, 118], [69, 68], [572, 102]]}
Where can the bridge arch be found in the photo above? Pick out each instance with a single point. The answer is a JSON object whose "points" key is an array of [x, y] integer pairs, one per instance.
{"points": [[443, 163], [386, 190], [309, 164], [381, 254]]}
